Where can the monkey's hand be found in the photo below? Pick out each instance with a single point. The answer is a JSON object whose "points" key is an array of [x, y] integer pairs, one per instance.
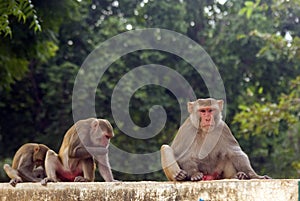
{"points": [[180, 175], [80, 179], [46, 180], [197, 176], [242, 176]]}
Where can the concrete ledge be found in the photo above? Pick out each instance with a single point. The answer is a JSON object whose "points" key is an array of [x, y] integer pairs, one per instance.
{"points": [[256, 190]]}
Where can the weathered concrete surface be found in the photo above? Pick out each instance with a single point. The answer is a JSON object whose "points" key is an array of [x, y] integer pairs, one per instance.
{"points": [[257, 190]]}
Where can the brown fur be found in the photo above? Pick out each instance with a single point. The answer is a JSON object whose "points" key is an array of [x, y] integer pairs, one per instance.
{"points": [[85, 140], [197, 153], [28, 164]]}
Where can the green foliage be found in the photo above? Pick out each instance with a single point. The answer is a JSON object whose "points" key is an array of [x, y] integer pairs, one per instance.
{"points": [[255, 45], [14, 67], [21, 10], [16, 57], [275, 128], [255, 7]]}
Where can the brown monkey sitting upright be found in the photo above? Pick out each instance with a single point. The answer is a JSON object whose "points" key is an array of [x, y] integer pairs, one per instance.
{"points": [[28, 164], [74, 161], [204, 148]]}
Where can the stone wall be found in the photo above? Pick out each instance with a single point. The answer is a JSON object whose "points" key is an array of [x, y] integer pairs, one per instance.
{"points": [[256, 190]]}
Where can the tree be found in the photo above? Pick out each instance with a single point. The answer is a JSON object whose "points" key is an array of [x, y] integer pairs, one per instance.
{"points": [[269, 125], [273, 131], [21, 10], [11, 13], [249, 42], [23, 57], [18, 59]]}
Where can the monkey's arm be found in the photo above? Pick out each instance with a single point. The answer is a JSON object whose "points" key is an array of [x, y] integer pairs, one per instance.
{"points": [[239, 159], [83, 151], [104, 167], [97, 150], [87, 152], [25, 169]]}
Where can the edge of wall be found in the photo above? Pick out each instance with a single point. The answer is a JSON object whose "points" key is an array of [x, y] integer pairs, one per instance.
{"points": [[274, 189]]}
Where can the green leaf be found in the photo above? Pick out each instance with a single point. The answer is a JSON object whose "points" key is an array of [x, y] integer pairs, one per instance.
{"points": [[249, 3], [249, 13]]}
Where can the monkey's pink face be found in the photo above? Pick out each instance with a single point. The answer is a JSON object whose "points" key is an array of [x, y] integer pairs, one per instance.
{"points": [[206, 117], [105, 138], [100, 135]]}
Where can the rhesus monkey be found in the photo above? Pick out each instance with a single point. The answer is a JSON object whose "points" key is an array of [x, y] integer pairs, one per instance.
{"points": [[204, 148], [28, 164], [85, 140]]}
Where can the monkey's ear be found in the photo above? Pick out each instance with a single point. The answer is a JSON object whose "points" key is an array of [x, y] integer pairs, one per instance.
{"points": [[94, 125], [36, 148], [190, 106], [220, 103]]}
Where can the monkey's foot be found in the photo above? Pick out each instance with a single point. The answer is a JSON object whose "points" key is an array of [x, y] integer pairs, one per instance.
{"points": [[197, 176], [47, 180], [266, 177], [180, 175], [261, 177], [14, 181], [80, 179], [242, 176]]}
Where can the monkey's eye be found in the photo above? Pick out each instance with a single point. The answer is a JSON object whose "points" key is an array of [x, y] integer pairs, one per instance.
{"points": [[202, 111]]}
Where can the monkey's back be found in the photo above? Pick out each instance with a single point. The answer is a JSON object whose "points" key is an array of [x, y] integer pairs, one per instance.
{"points": [[28, 149]]}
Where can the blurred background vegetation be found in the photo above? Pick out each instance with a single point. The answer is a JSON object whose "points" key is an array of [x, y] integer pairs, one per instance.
{"points": [[254, 44]]}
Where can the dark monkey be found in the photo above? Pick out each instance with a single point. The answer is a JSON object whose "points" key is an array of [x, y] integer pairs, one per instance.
{"points": [[204, 147]]}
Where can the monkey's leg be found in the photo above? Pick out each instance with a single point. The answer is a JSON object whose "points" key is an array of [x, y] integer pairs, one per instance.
{"points": [[229, 171], [169, 164], [244, 170], [13, 174], [52, 164], [88, 168], [253, 175]]}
